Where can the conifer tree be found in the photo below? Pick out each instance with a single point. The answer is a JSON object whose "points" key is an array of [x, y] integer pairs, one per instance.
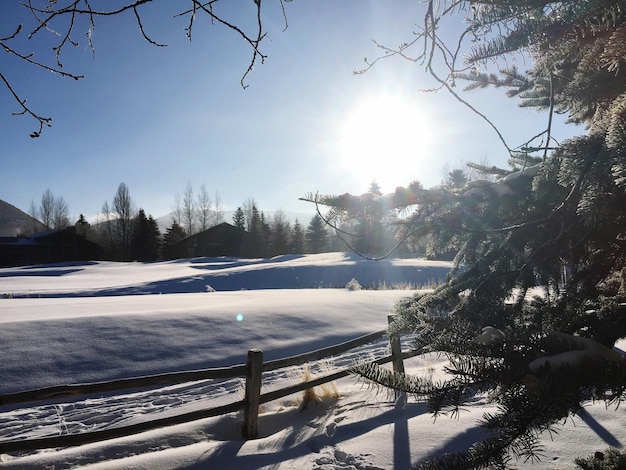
{"points": [[297, 238], [316, 235], [537, 297], [456, 179], [266, 237], [239, 219], [369, 228], [82, 227], [146, 238], [155, 238], [257, 242], [366, 228], [174, 234], [280, 233]]}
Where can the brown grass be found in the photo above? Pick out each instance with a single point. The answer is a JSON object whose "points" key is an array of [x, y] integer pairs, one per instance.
{"points": [[316, 395]]}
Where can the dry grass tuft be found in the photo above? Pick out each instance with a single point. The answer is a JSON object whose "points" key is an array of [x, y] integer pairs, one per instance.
{"points": [[316, 395]]}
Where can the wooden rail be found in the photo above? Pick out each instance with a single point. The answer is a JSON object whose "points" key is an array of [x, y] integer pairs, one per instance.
{"points": [[122, 384], [252, 371]]}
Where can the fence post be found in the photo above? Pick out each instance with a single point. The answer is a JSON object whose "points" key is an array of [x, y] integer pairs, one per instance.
{"points": [[253, 392], [396, 354], [396, 349]]}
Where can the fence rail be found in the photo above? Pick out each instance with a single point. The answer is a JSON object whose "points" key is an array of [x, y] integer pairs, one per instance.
{"points": [[122, 384], [252, 371]]}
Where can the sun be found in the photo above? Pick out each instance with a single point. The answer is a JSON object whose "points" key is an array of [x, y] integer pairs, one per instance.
{"points": [[381, 138]]}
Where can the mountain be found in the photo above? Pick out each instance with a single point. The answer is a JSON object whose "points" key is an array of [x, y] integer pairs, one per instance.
{"points": [[14, 222]]}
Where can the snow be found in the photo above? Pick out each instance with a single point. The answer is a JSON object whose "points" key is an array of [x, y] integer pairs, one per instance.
{"points": [[87, 322]]}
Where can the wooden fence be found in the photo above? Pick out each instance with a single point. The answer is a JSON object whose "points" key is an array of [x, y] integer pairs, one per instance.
{"points": [[252, 371]]}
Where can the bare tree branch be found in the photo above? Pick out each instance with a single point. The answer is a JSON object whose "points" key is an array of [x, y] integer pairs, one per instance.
{"points": [[43, 121], [49, 17], [441, 63], [254, 42]]}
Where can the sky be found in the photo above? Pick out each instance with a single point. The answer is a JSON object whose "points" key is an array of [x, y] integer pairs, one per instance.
{"points": [[161, 118], [116, 334]]}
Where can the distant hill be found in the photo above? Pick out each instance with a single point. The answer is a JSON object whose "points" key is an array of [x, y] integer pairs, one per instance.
{"points": [[15, 222]]}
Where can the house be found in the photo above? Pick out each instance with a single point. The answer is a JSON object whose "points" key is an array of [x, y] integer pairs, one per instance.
{"points": [[54, 246], [222, 240]]}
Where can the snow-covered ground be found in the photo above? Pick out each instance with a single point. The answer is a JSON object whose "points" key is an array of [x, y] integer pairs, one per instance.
{"points": [[91, 322]]}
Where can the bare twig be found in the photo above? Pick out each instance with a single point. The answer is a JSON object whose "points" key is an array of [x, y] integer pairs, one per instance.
{"points": [[43, 121], [433, 48], [49, 15], [143, 33], [254, 42], [550, 115], [29, 59]]}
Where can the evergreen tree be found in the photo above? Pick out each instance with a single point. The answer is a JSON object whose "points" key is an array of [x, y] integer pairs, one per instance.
{"points": [[255, 221], [82, 227], [456, 179], [249, 208], [156, 239], [368, 233], [146, 238], [280, 233], [375, 189], [558, 211], [256, 243], [266, 237], [316, 235], [239, 219], [173, 235], [366, 227], [297, 238]]}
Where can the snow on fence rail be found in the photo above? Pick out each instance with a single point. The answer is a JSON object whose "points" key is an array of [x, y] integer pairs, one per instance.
{"points": [[252, 371]]}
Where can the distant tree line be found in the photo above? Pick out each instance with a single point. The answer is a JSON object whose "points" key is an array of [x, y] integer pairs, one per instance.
{"points": [[276, 235], [127, 233]]}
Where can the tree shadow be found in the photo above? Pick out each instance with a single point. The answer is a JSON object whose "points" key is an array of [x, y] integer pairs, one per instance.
{"points": [[600, 430], [42, 273], [297, 444], [459, 443], [401, 445]]}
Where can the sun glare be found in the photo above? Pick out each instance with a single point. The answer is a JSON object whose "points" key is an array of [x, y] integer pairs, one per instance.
{"points": [[382, 139]]}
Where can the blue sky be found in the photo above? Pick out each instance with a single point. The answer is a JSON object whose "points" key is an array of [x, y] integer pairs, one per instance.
{"points": [[159, 118]]}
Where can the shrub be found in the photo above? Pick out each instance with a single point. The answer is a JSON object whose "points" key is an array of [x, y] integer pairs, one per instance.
{"points": [[610, 459]]}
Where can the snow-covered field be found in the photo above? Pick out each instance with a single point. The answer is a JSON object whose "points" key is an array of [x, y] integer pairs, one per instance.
{"points": [[101, 321]]}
